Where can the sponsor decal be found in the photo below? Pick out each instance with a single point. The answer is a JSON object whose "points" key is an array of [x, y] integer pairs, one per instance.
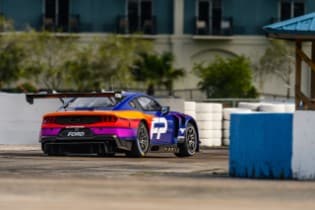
{"points": [[159, 127], [76, 133]]}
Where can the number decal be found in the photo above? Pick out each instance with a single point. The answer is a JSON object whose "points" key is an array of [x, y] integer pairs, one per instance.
{"points": [[158, 127]]}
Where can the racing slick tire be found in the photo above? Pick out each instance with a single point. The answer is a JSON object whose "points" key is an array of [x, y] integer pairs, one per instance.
{"points": [[142, 143], [189, 147]]}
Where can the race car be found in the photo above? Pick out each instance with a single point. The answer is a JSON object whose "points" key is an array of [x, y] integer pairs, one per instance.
{"points": [[113, 122]]}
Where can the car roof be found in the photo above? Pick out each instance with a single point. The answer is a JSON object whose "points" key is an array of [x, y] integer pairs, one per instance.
{"points": [[130, 93], [129, 96]]}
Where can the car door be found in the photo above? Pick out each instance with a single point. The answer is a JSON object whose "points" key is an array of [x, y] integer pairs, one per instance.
{"points": [[162, 127]]}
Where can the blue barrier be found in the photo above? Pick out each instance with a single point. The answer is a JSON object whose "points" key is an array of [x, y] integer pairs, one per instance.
{"points": [[261, 145]]}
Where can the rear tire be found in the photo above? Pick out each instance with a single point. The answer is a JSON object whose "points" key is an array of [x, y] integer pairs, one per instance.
{"points": [[189, 147], [142, 143]]}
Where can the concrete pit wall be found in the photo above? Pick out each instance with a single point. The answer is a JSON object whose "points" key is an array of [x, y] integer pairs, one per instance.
{"points": [[303, 159], [20, 121]]}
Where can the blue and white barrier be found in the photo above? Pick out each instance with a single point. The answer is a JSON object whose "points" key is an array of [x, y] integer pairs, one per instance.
{"points": [[273, 145], [261, 145]]}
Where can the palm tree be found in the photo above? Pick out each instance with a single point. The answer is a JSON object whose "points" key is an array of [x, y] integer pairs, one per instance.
{"points": [[157, 70], [169, 73]]}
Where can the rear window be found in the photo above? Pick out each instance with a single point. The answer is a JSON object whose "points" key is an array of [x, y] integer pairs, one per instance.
{"points": [[96, 103]]}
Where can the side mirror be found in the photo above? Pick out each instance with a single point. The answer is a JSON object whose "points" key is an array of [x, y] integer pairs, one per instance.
{"points": [[165, 110]]}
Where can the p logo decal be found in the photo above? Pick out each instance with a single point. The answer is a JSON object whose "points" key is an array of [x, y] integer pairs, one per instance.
{"points": [[159, 126]]}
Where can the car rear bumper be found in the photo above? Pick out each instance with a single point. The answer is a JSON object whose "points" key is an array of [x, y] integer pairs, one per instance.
{"points": [[70, 143]]}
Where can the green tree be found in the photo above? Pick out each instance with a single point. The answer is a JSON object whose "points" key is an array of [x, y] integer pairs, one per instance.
{"points": [[170, 74], [106, 62], [157, 70], [278, 60], [47, 57], [82, 70], [6, 24], [11, 57], [226, 78], [12, 53]]}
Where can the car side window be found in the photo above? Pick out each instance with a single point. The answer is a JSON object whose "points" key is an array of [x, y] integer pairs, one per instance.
{"points": [[134, 105], [148, 104]]}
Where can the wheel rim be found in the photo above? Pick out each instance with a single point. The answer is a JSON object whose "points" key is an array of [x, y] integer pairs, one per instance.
{"points": [[143, 138], [191, 138]]}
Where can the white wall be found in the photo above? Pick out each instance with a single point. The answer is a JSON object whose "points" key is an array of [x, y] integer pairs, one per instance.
{"points": [[303, 158], [20, 121]]}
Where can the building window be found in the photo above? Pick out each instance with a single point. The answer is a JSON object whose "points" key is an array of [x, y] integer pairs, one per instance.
{"points": [[56, 15], [209, 19], [209, 14], [139, 13], [291, 8]]}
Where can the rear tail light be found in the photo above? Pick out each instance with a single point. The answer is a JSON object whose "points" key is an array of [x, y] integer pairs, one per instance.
{"points": [[109, 118], [48, 120]]}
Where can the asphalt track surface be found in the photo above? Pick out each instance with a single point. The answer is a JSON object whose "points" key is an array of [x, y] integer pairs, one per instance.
{"points": [[30, 180]]}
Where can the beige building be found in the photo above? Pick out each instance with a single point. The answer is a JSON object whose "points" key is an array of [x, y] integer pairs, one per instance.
{"points": [[194, 30]]}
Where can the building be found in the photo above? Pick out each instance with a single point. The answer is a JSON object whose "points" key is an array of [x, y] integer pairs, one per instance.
{"points": [[194, 30]]}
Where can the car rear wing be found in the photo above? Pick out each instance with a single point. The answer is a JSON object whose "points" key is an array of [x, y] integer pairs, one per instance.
{"points": [[30, 97]]}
